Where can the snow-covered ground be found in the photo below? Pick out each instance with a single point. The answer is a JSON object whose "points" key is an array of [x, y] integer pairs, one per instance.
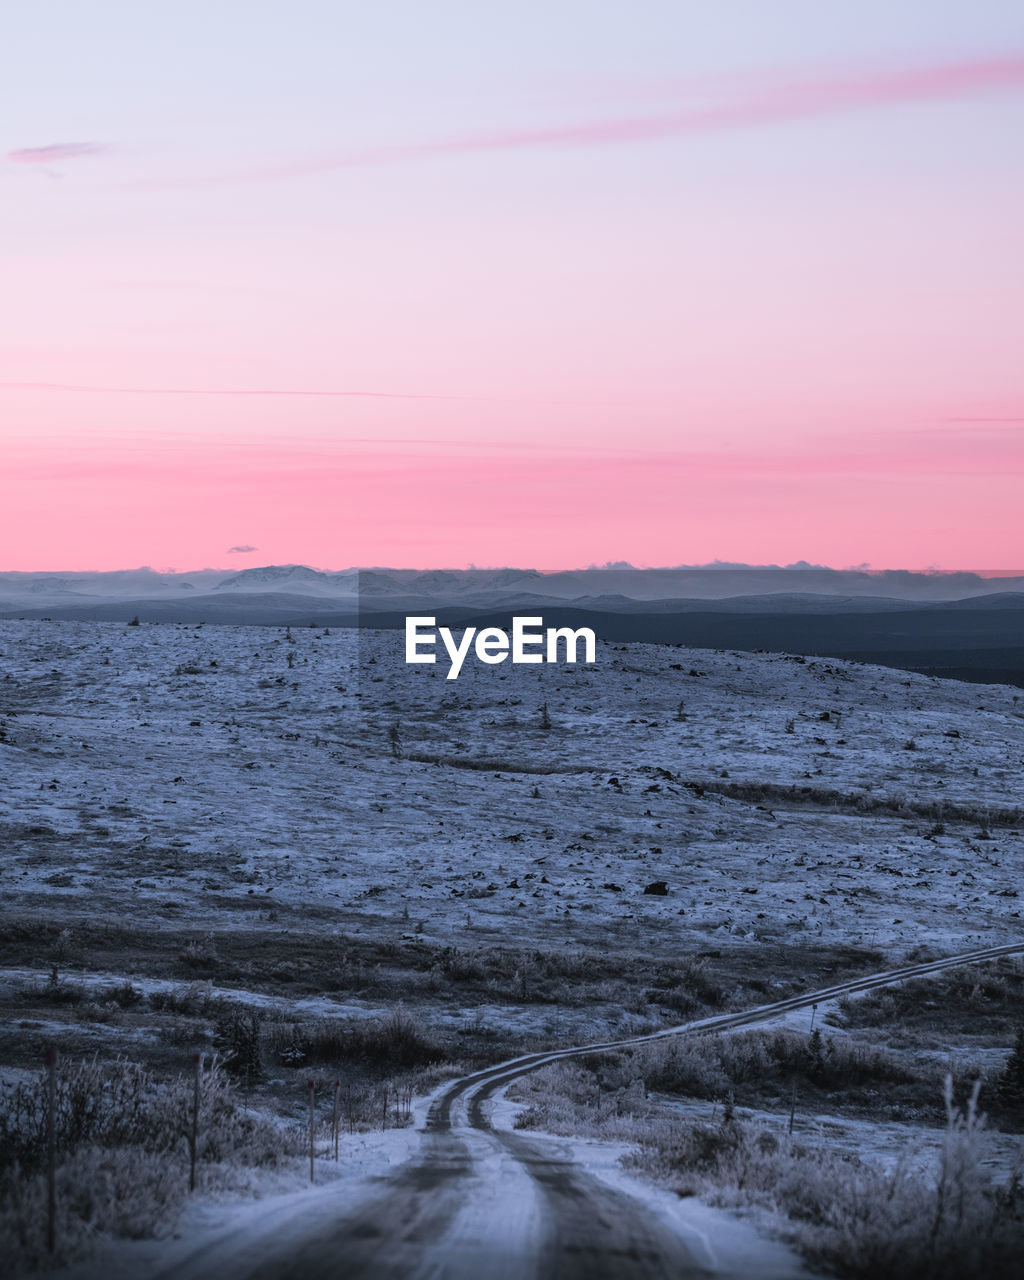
{"points": [[721, 1243], [194, 779], [228, 1236], [203, 776], [499, 1230]]}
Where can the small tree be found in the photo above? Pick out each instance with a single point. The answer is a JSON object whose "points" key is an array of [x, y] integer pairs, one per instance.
{"points": [[237, 1039], [1010, 1085], [816, 1057], [395, 740], [545, 719]]}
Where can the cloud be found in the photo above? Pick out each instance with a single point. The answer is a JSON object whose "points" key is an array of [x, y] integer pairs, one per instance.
{"points": [[229, 391], [55, 152], [240, 551], [762, 106]]}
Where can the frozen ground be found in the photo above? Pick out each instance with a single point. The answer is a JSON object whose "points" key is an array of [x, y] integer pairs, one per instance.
{"points": [[305, 790], [719, 1242], [217, 776], [499, 1231], [224, 1237]]}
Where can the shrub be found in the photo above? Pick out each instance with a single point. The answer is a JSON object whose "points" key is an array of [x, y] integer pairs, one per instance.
{"points": [[120, 1104], [236, 1038], [122, 1150], [99, 1011], [393, 1043], [199, 953], [707, 1066], [124, 1191], [124, 995], [853, 1218], [56, 990], [1010, 1085], [195, 1000]]}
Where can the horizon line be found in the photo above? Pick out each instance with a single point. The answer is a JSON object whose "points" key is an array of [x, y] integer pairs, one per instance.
{"points": [[713, 566]]}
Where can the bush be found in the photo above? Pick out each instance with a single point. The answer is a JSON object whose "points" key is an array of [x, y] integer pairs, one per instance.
{"points": [[708, 1066], [122, 1192], [119, 1104], [1010, 1085], [393, 1043], [56, 990], [95, 1011], [567, 1099], [122, 1151], [236, 1038], [194, 1001], [199, 953], [857, 1220], [123, 994]]}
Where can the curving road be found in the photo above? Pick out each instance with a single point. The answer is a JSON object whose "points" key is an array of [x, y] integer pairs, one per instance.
{"points": [[481, 1202]]}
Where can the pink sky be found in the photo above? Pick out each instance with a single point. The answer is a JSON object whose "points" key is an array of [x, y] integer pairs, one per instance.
{"points": [[765, 309]]}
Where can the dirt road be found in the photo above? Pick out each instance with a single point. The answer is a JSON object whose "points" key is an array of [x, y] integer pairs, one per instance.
{"points": [[480, 1201]]}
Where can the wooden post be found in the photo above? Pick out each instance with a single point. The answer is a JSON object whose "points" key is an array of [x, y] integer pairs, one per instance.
{"points": [[193, 1141], [312, 1124], [336, 1117], [792, 1103], [814, 1010], [384, 1111], [51, 1149]]}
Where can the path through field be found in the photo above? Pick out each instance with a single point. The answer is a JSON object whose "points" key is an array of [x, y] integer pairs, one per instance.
{"points": [[482, 1201]]}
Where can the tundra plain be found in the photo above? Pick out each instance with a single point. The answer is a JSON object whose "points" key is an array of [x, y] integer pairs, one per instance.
{"points": [[397, 877]]}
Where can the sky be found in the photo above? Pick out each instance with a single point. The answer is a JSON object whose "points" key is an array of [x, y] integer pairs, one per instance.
{"points": [[545, 284]]}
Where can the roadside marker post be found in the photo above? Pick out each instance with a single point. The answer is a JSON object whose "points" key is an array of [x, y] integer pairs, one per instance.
{"points": [[336, 1118], [51, 1149], [312, 1125], [193, 1141]]}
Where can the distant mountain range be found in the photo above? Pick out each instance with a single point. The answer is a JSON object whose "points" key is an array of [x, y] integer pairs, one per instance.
{"points": [[953, 624], [603, 588]]}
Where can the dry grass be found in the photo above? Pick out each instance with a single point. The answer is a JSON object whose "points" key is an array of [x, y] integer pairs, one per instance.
{"points": [[122, 1143], [755, 1068], [850, 1218], [976, 1004]]}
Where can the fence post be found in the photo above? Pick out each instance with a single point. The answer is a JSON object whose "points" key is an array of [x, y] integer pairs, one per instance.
{"points": [[312, 1122], [336, 1117], [792, 1103], [51, 1148], [193, 1141]]}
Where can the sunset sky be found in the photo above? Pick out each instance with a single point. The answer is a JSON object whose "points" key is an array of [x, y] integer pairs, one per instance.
{"points": [[428, 282]]}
